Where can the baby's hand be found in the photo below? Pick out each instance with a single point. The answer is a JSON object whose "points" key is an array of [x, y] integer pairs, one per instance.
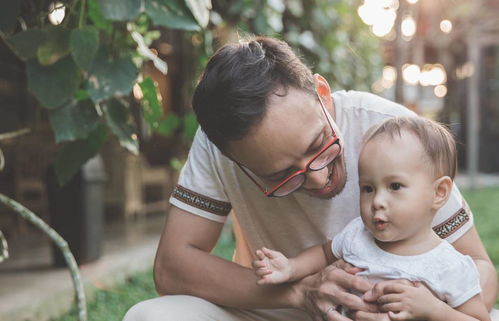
{"points": [[272, 267], [408, 302]]}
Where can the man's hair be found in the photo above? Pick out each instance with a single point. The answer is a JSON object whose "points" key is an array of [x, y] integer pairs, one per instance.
{"points": [[437, 141], [232, 94]]}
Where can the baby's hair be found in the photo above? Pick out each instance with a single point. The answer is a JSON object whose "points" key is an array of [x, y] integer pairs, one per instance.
{"points": [[436, 139]]}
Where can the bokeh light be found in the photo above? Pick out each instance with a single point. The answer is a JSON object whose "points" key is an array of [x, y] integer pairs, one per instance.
{"points": [[440, 91], [408, 26], [411, 73], [446, 26], [57, 12]]}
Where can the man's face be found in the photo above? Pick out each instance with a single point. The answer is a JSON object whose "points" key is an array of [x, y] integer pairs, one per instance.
{"points": [[293, 129]]}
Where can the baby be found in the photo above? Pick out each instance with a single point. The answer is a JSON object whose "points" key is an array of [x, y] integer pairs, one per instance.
{"points": [[406, 168]]}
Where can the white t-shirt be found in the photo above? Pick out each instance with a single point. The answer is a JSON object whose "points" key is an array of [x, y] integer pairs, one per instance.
{"points": [[453, 277], [210, 185]]}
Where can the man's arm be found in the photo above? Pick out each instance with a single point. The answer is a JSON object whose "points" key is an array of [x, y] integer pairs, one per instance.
{"points": [[470, 244], [184, 265]]}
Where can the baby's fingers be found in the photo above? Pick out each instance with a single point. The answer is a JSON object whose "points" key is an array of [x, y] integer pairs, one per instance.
{"points": [[271, 254], [258, 264], [262, 272], [260, 254]]}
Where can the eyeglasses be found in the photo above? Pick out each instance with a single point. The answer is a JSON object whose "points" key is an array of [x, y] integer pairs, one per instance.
{"points": [[293, 182]]}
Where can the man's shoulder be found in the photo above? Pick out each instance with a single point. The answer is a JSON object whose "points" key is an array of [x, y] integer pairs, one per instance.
{"points": [[358, 101]]}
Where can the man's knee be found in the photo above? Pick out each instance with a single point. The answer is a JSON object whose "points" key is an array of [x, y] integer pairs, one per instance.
{"points": [[171, 308]]}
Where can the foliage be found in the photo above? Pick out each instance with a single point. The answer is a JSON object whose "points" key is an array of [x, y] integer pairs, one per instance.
{"points": [[82, 70], [331, 37]]}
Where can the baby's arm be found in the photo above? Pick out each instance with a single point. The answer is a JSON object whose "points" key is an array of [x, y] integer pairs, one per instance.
{"points": [[272, 267], [405, 302]]}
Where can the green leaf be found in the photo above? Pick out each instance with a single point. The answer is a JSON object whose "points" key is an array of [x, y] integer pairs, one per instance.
{"points": [[95, 15], [120, 10], [74, 154], [190, 126], [81, 94], [84, 44], [171, 13], [168, 124], [153, 110], [55, 46], [110, 77], [200, 10], [118, 120], [8, 14], [26, 43], [73, 121], [55, 84]]}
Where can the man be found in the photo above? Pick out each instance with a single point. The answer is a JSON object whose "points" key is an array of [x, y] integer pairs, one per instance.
{"points": [[281, 151]]}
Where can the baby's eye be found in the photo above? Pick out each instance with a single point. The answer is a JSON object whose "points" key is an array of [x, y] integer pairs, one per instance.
{"points": [[367, 189], [395, 186]]}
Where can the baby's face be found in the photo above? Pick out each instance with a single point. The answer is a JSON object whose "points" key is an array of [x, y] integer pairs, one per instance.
{"points": [[396, 188]]}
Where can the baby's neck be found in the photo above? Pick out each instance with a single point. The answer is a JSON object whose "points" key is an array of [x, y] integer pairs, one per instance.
{"points": [[412, 246]]}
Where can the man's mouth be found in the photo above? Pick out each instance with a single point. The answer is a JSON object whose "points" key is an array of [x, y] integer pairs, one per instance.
{"points": [[331, 183]]}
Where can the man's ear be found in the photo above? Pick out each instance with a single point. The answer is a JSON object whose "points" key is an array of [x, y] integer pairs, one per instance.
{"points": [[442, 188], [323, 90]]}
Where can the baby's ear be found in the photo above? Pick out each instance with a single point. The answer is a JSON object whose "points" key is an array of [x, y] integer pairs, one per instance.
{"points": [[442, 188]]}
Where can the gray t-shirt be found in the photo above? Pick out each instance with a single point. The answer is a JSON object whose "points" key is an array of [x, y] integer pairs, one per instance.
{"points": [[210, 185]]}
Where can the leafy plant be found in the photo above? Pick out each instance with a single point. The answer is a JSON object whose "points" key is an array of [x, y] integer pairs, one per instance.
{"points": [[82, 69]]}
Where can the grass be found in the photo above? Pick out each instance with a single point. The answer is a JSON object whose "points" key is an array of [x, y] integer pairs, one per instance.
{"points": [[111, 305], [485, 206]]}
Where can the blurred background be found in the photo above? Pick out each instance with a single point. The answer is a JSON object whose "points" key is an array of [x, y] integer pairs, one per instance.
{"points": [[96, 119]]}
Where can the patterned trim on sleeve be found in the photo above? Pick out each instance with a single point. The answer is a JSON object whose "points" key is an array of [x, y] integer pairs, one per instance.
{"points": [[453, 223], [200, 201]]}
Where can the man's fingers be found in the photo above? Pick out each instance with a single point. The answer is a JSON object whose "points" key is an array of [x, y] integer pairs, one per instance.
{"points": [[404, 315], [368, 316], [353, 302], [347, 267], [333, 315], [352, 282]]}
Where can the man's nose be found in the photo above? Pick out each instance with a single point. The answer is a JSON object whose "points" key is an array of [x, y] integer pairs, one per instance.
{"points": [[316, 179]]}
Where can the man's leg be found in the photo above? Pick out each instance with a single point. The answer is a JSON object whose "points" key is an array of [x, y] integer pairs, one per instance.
{"points": [[189, 308]]}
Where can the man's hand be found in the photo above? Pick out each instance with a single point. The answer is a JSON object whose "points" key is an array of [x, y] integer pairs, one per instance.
{"points": [[272, 267], [326, 292]]}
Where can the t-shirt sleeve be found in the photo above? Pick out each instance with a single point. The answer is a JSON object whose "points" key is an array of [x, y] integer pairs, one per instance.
{"points": [[343, 239], [454, 218], [460, 282], [200, 189]]}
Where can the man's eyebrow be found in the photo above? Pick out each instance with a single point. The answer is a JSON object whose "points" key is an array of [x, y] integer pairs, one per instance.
{"points": [[310, 147]]}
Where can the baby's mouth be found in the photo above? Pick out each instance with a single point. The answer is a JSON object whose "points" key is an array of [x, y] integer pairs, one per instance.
{"points": [[380, 224]]}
